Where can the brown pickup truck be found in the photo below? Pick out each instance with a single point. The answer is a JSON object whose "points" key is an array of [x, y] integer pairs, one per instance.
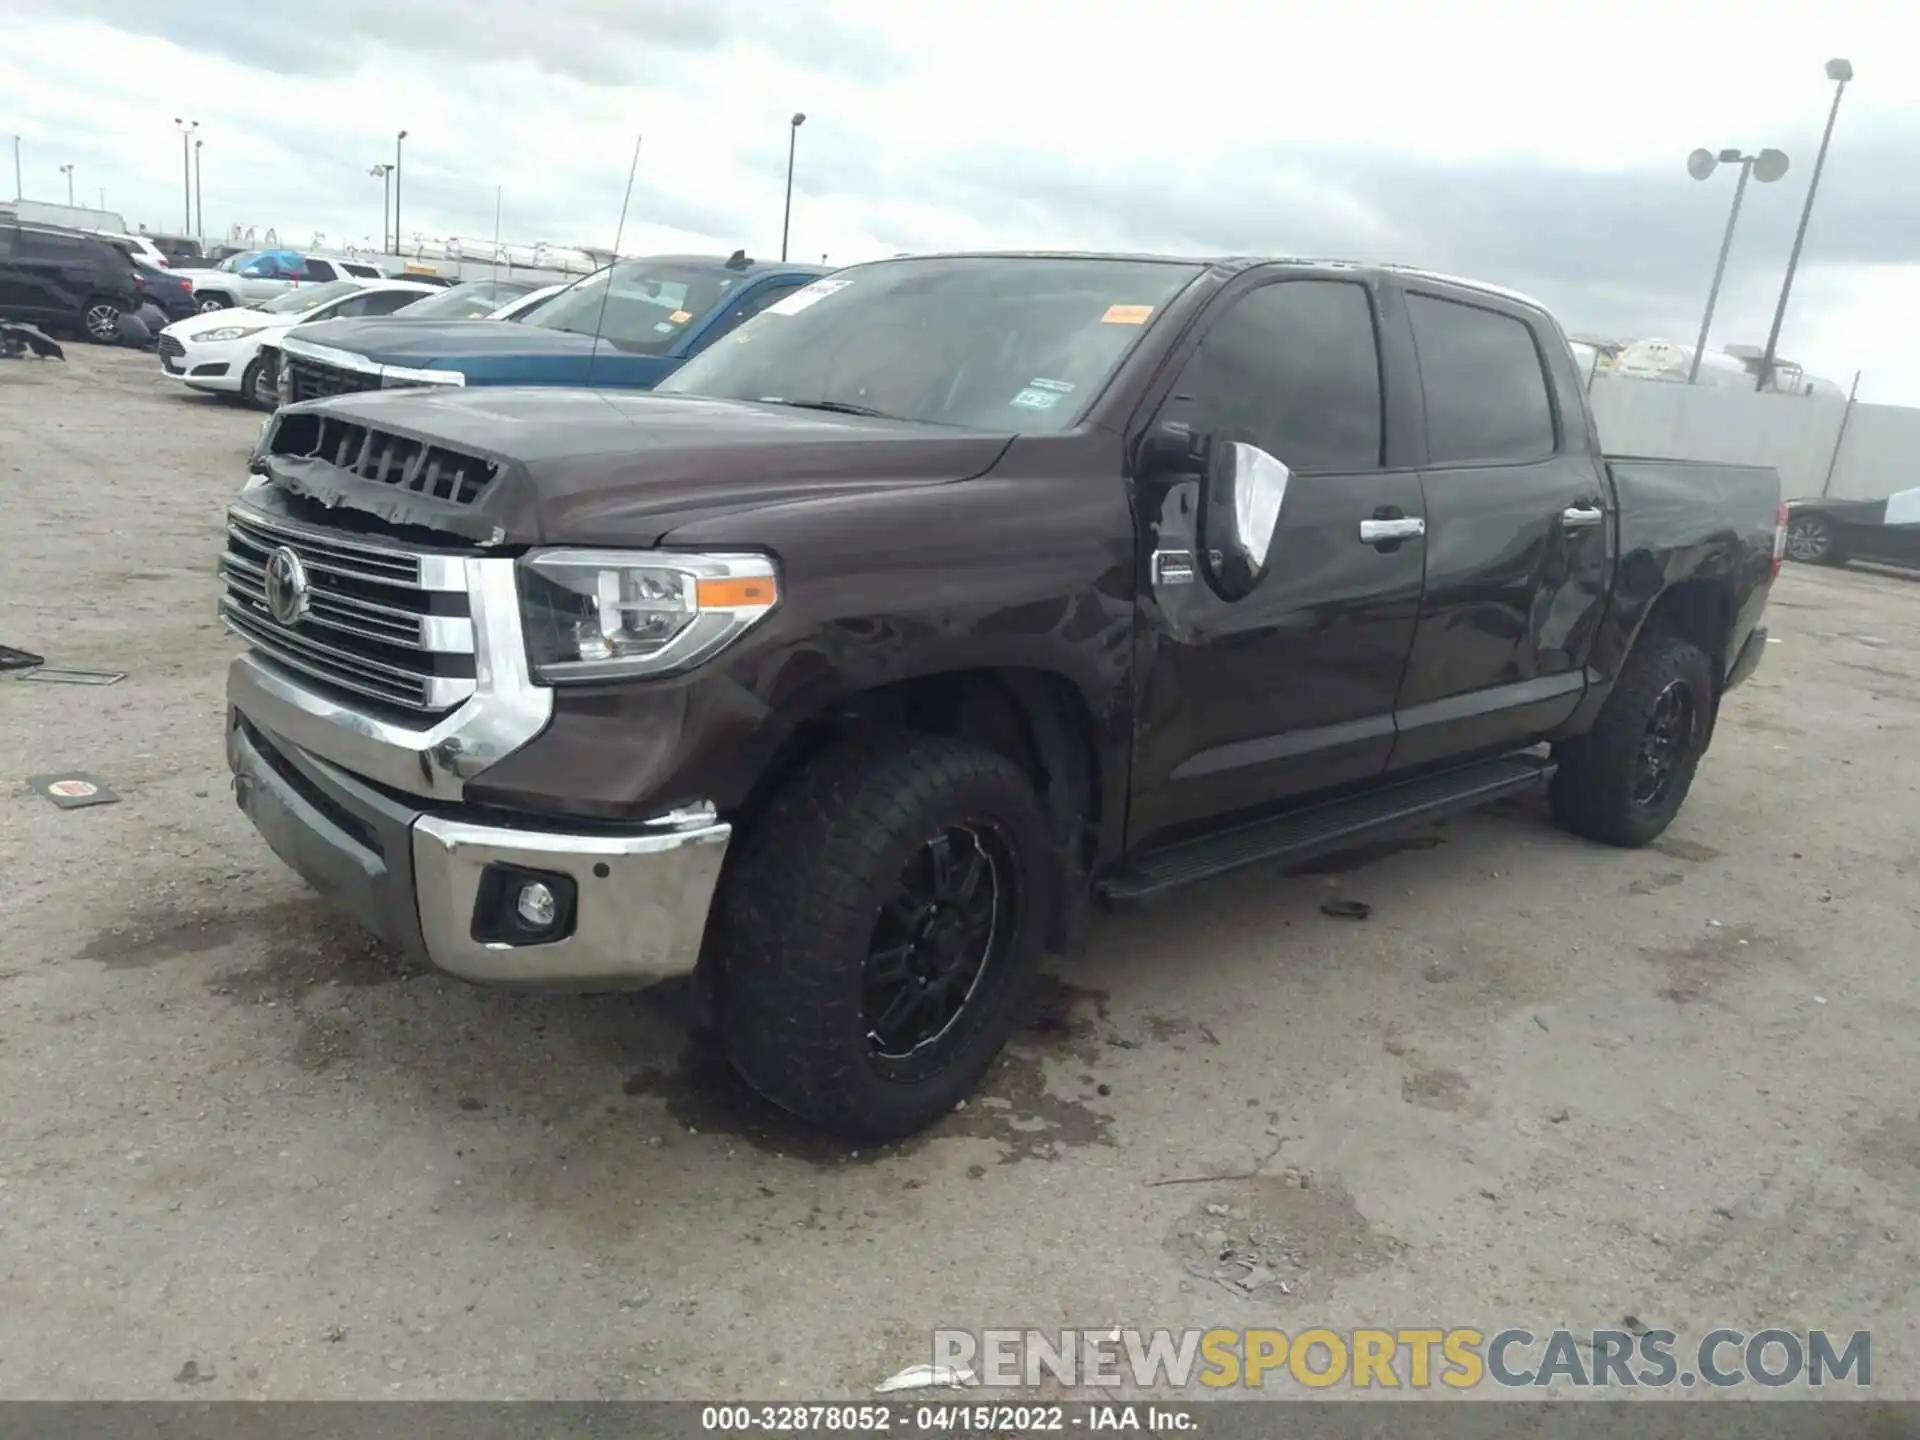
{"points": [[949, 595]]}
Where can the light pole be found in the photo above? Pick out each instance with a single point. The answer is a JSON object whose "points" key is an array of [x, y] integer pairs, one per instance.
{"points": [[67, 170], [186, 129], [1767, 166], [199, 198], [396, 190], [1840, 72], [19, 193], [385, 173], [786, 216]]}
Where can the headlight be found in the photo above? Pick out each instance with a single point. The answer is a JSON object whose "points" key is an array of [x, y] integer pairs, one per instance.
{"points": [[614, 614], [230, 332]]}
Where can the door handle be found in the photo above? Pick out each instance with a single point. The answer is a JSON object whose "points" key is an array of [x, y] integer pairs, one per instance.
{"points": [[1406, 527], [1578, 517]]}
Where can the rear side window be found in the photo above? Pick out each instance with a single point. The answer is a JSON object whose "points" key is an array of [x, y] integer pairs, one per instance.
{"points": [[381, 302], [319, 270], [365, 272], [1296, 365], [1486, 392]]}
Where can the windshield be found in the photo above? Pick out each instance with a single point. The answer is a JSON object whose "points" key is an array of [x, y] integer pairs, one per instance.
{"points": [[308, 297], [648, 305], [991, 342], [465, 302]]}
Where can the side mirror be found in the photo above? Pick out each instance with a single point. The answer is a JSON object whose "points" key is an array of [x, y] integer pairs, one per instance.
{"points": [[1246, 488]]}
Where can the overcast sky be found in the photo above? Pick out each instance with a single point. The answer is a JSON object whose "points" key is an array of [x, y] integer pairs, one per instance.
{"points": [[1541, 146]]}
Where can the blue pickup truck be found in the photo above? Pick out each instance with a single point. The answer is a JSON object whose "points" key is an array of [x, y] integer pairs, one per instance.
{"points": [[650, 316]]}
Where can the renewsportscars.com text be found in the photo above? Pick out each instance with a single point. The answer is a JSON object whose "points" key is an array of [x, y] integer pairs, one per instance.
{"points": [[1418, 1358]]}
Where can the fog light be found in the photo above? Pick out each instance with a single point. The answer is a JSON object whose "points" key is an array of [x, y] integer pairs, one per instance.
{"points": [[536, 905]]}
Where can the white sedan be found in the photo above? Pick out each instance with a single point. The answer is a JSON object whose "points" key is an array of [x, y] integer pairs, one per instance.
{"points": [[219, 350]]}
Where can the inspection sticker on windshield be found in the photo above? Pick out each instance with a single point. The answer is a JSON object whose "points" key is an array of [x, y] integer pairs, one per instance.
{"points": [[1032, 399], [1062, 387], [679, 317], [1126, 315], [812, 295]]}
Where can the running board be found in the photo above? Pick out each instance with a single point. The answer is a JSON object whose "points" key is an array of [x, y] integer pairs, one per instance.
{"points": [[1303, 834]]}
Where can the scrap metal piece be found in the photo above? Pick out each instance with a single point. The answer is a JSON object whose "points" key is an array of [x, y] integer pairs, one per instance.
{"points": [[12, 659], [73, 789], [74, 675]]}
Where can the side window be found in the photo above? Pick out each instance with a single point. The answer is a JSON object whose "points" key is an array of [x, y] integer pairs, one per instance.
{"points": [[318, 270], [1296, 366], [1486, 393], [46, 245], [9, 240], [754, 304], [365, 272]]}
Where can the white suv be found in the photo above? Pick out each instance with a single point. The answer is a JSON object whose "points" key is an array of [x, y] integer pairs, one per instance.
{"points": [[262, 274]]}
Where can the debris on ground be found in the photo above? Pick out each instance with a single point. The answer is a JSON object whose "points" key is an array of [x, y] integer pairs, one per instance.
{"points": [[73, 789], [74, 675], [927, 1377], [1346, 909], [12, 659], [17, 338]]}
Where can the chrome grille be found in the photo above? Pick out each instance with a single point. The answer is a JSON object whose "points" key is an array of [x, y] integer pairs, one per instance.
{"points": [[391, 625], [383, 457], [313, 380]]}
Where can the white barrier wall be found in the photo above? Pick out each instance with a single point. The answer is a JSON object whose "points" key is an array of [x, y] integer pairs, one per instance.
{"points": [[1801, 437]]}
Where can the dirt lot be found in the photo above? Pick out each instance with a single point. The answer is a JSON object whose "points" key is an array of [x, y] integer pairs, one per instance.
{"points": [[244, 1154]]}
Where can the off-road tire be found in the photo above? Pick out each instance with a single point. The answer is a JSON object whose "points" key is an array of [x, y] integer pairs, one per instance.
{"points": [[794, 921], [1593, 790]]}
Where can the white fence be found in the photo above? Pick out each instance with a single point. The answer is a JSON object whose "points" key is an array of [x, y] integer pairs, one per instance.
{"points": [[1819, 446]]}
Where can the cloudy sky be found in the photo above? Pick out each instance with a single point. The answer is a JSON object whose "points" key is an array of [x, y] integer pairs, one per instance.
{"points": [[1541, 146]]}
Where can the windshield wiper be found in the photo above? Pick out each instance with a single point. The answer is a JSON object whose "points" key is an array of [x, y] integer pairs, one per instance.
{"points": [[837, 407]]}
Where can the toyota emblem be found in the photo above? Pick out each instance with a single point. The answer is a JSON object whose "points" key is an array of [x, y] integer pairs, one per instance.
{"points": [[287, 588]]}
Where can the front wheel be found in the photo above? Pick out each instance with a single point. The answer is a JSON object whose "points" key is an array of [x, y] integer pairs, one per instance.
{"points": [[210, 303], [1811, 541], [252, 390], [879, 933], [1626, 778]]}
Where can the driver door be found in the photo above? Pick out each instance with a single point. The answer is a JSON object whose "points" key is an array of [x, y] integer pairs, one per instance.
{"points": [[1290, 689]]}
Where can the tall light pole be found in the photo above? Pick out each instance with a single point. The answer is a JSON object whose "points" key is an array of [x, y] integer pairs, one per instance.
{"points": [[186, 129], [199, 198], [1840, 72], [385, 173], [1766, 167], [396, 190], [67, 170], [19, 192], [786, 216]]}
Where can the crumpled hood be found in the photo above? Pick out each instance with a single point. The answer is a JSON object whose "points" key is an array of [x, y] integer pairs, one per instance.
{"points": [[424, 344], [618, 468]]}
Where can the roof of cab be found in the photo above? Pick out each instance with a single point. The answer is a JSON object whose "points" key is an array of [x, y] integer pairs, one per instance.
{"points": [[1234, 264]]}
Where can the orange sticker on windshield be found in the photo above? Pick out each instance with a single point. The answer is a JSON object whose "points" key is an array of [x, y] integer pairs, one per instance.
{"points": [[680, 317], [1126, 315]]}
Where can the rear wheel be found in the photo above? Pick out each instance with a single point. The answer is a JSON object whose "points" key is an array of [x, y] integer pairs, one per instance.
{"points": [[880, 930], [1811, 541], [209, 303], [101, 320], [1624, 780]]}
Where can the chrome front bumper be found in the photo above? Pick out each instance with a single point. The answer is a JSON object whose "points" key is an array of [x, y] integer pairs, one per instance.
{"points": [[418, 877]]}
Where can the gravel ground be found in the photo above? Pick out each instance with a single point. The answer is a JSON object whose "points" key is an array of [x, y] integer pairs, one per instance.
{"points": [[245, 1154]]}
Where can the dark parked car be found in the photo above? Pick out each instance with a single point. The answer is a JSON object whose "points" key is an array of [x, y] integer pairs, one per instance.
{"points": [[845, 668], [1832, 532], [169, 292], [64, 279]]}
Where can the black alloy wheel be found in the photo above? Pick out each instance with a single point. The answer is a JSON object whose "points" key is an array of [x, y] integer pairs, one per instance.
{"points": [[937, 941], [1668, 742]]}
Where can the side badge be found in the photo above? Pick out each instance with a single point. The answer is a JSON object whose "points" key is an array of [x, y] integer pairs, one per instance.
{"points": [[1173, 567]]}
